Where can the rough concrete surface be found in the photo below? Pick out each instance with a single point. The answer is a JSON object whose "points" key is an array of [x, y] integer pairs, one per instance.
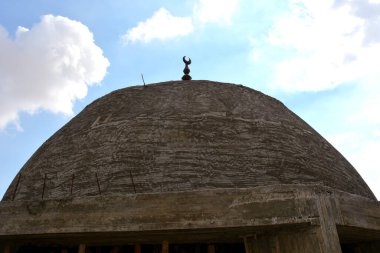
{"points": [[189, 162], [182, 136]]}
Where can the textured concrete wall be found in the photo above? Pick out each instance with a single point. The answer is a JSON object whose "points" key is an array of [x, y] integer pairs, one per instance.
{"points": [[209, 209], [282, 218], [290, 241], [242, 209], [182, 136]]}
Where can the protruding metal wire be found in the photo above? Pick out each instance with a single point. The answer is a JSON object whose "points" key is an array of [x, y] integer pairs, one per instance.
{"points": [[72, 184], [133, 183], [97, 181], [142, 76], [17, 184], [43, 187]]}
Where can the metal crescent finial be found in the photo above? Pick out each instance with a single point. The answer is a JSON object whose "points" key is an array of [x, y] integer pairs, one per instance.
{"points": [[187, 62], [186, 70]]}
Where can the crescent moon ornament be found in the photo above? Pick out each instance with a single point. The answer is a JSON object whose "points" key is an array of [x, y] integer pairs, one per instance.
{"points": [[187, 62], [186, 70]]}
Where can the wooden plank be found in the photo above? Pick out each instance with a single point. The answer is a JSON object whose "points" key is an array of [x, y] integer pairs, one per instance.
{"points": [[211, 248], [115, 249], [7, 248], [165, 247], [248, 243], [275, 245], [82, 248], [137, 248]]}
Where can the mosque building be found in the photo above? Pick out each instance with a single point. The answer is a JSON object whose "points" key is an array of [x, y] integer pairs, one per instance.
{"points": [[189, 166]]}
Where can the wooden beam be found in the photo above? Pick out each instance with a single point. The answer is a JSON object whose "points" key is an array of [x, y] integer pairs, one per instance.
{"points": [[165, 247], [157, 248], [115, 249], [211, 248], [248, 244], [137, 248], [275, 245], [7, 248], [82, 248]]}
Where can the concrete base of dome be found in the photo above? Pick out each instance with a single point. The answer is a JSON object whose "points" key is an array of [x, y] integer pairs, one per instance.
{"points": [[279, 218]]}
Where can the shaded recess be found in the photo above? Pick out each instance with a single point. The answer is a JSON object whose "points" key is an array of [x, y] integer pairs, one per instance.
{"points": [[182, 136]]}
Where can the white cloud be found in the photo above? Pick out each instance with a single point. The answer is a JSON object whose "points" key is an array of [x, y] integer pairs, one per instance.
{"points": [[47, 67], [162, 25], [376, 133], [329, 43], [215, 11], [362, 152], [334, 44]]}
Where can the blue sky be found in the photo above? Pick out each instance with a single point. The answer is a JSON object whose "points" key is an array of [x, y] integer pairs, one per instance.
{"points": [[320, 58]]}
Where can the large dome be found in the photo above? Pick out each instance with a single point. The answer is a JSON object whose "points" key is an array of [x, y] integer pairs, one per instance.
{"points": [[182, 136]]}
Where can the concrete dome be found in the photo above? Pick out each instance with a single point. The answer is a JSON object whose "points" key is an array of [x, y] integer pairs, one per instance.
{"points": [[182, 136]]}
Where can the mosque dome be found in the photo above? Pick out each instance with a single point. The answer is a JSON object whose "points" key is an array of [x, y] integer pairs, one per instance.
{"points": [[182, 136], [183, 167]]}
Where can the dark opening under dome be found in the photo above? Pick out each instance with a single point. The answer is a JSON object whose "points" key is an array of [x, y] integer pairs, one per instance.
{"points": [[182, 136]]}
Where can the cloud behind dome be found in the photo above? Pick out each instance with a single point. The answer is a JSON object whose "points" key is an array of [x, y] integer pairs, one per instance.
{"points": [[335, 43], [47, 67], [163, 25]]}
